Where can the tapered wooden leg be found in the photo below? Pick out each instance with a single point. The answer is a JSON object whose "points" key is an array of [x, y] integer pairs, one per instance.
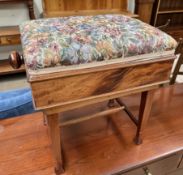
{"points": [[45, 120], [53, 123], [144, 112], [179, 50], [177, 69], [111, 104]]}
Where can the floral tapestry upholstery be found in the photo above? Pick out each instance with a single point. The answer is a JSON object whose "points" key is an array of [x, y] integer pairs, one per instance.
{"points": [[84, 39]]}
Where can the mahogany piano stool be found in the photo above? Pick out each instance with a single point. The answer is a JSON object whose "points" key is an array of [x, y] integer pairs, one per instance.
{"points": [[61, 82]]}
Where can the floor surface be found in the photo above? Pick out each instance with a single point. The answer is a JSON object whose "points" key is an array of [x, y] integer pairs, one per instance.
{"points": [[95, 147]]}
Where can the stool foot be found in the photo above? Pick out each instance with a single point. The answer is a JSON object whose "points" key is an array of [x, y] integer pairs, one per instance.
{"points": [[45, 120], [59, 170], [55, 135], [144, 112], [138, 140]]}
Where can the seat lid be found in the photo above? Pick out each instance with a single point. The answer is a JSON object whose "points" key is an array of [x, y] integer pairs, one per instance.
{"points": [[84, 39]]}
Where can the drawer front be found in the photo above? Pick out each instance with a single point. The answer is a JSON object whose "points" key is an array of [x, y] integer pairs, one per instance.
{"points": [[161, 167], [10, 40], [99, 84]]}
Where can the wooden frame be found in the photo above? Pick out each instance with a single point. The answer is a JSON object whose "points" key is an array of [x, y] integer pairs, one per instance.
{"points": [[57, 90]]}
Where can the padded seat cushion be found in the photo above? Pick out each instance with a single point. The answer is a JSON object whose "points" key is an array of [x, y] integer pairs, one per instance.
{"points": [[83, 39]]}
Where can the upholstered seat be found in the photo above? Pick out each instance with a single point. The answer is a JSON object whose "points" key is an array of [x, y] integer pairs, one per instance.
{"points": [[83, 39]]}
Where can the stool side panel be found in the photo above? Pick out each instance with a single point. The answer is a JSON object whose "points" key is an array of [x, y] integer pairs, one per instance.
{"points": [[53, 92]]}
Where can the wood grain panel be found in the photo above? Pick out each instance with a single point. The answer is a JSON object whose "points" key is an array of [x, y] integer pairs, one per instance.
{"points": [[144, 9], [88, 12], [61, 90], [9, 35], [10, 40], [66, 6], [84, 4]]}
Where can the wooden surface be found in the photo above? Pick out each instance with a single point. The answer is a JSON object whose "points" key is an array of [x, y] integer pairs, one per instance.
{"points": [[62, 90], [88, 12], [94, 147], [9, 35], [176, 32], [10, 30], [84, 7], [163, 10], [5, 68], [144, 9]]}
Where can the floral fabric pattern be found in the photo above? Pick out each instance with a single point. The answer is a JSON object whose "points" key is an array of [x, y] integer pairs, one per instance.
{"points": [[84, 39]]}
